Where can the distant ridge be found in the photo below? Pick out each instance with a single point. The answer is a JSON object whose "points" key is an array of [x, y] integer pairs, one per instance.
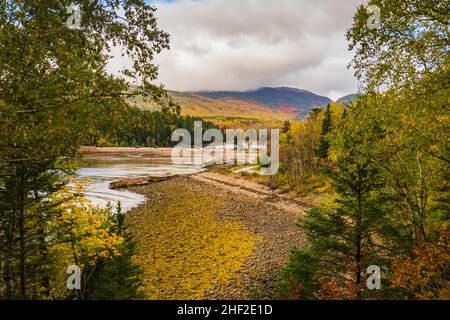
{"points": [[281, 98], [230, 109]]}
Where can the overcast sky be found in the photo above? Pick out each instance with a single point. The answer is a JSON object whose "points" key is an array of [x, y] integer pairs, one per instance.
{"points": [[247, 44]]}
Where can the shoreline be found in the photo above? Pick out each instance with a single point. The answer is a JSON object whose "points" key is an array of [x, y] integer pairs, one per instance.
{"points": [[210, 235], [274, 223], [125, 151]]}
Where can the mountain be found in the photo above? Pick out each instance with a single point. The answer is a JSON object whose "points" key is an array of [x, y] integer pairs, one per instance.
{"points": [[348, 99], [282, 98], [226, 110], [261, 106]]}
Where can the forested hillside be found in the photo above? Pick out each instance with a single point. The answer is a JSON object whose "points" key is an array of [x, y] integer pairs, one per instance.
{"points": [[301, 101]]}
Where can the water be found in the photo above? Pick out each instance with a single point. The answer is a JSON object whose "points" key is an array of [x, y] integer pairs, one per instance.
{"points": [[102, 171]]}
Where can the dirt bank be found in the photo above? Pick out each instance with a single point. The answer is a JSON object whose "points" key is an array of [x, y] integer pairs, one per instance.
{"points": [[123, 152]]}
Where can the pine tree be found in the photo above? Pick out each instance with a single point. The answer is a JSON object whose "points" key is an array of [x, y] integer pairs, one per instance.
{"points": [[54, 85], [120, 278], [326, 128], [341, 233], [286, 127]]}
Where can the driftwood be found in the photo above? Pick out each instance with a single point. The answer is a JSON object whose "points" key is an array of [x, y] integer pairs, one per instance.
{"points": [[136, 182]]}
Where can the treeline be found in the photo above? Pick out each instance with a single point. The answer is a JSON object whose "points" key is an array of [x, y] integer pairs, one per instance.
{"points": [[382, 166], [133, 127], [304, 147]]}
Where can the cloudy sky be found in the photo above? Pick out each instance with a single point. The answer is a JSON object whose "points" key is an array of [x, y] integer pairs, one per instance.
{"points": [[247, 44]]}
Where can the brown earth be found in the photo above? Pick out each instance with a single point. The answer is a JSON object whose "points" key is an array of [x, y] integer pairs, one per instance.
{"points": [[138, 182], [121, 151]]}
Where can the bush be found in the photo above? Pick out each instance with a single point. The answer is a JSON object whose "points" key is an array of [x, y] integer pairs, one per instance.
{"points": [[298, 276]]}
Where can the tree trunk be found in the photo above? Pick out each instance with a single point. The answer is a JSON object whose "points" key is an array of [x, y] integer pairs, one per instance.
{"points": [[22, 234], [358, 237], [7, 260]]}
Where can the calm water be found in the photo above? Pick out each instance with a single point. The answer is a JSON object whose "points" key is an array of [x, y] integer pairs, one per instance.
{"points": [[102, 171]]}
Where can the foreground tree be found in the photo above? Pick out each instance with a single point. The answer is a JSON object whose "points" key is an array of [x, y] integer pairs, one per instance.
{"points": [[411, 43], [341, 228], [53, 87], [409, 55], [388, 162]]}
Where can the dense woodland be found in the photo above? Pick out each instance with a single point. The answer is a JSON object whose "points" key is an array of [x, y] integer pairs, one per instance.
{"points": [[55, 96], [135, 127], [377, 169]]}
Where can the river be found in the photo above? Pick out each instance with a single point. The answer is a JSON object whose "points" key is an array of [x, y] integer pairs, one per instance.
{"points": [[104, 170]]}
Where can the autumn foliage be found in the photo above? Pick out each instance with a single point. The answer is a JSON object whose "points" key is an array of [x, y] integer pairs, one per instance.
{"points": [[424, 274]]}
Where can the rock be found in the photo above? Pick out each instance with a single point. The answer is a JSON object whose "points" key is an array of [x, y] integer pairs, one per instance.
{"points": [[136, 182]]}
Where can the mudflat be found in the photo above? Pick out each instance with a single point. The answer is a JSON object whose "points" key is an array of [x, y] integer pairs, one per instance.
{"points": [[211, 237]]}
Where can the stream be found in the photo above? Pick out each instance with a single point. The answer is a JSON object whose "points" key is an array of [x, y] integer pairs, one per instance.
{"points": [[104, 170]]}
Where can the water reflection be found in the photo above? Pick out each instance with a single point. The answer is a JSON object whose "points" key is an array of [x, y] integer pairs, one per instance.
{"points": [[102, 171]]}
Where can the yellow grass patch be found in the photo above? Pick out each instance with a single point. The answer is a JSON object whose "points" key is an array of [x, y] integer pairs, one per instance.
{"points": [[183, 249]]}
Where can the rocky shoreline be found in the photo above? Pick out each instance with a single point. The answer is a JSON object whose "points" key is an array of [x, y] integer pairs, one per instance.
{"points": [[272, 221], [138, 182], [122, 151]]}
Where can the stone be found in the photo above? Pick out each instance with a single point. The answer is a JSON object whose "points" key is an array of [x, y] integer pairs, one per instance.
{"points": [[143, 181]]}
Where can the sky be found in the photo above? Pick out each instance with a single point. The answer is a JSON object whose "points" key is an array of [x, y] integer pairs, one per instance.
{"points": [[247, 44]]}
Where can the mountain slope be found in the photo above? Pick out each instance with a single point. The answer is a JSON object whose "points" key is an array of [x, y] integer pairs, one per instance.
{"points": [[301, 101], [218, 110], [262, 106]]}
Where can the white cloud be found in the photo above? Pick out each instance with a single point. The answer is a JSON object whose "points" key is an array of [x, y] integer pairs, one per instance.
{"points": [[246, 44]]}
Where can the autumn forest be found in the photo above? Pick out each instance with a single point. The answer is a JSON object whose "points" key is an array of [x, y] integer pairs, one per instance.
{"points": [[362, 187]]}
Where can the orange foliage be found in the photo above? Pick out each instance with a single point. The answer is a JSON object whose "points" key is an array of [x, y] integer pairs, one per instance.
{"points": [[231, 112], [425, 274], [332, 291]]}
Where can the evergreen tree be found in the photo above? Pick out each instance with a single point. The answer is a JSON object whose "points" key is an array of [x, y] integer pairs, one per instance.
{"points": [[340, 234], [388, 163], [286, 127], [119, 278], [326, 128], [54, 88]]}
